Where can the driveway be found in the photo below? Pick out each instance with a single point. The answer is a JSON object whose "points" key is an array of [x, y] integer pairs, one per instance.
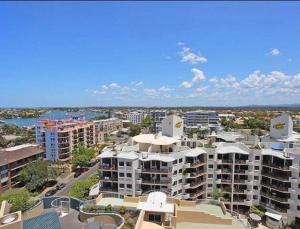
{"points": [[91, 171]]}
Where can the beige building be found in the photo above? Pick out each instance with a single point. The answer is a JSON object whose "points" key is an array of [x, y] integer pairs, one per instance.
{"points": [[104, 128], [60, 138]]}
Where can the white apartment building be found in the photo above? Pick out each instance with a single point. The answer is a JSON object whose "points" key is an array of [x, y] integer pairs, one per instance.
{"points": [[105, 127], [202, 119], [60, 137], [157, 116], [135, 117], [267, 176]]}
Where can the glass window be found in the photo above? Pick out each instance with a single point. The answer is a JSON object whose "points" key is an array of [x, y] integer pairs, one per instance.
{"points": [[121, 174], [128, 175], [121, 163], [128, 163], [129, 186], [257, 158], [121, 185]]}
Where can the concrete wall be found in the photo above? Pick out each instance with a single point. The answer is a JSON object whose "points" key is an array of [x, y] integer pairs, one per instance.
{"points": [[172, 126], [200, 217], [17, 224], [35, 211], [281, 126]]}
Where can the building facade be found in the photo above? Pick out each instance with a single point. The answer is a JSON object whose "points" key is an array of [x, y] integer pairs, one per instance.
{"points": [[202, 119], [135, 117], [60, 138], [157, 116], [105, 127], [266, 175], [13, 160]]}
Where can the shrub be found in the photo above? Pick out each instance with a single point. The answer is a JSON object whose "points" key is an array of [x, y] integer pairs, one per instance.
{"points": [[108, 208], [18, 198], [81, 188], [122, 210]]}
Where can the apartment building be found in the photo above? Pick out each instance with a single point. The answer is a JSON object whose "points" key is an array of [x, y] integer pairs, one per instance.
{"points": [[13, 160], [60, 137], [267, 175], [157, 116], [202, 119], [135, 117], [105, 127]]}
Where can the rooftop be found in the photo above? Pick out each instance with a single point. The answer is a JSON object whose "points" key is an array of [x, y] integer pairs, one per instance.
{"points": [[155, 139]]}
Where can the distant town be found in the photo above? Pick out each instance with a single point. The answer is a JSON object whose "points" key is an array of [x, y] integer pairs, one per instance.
{"points": [[128, 167]]}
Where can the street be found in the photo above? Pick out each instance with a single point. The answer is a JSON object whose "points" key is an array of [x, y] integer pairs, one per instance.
{"points": [[91, 171]]}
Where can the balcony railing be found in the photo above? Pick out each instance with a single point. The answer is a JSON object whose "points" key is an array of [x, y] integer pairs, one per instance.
{"points": [[274, 186], [197, 164], [273, 165], [276, 176], [277, 198], [108, 167], [158, 182], [156, 170], [240, 161]]}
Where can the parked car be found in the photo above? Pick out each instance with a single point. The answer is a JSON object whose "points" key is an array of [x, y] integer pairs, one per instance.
{"points": [[50, 192], [60, 186]]}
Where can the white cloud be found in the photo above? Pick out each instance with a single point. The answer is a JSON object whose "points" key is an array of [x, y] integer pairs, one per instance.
{"points": [[197, 93], [198, 76], [151, 93], [165, 89], [114, 86], [275, 52], [180, 43], [187, 55], [104, 87]]}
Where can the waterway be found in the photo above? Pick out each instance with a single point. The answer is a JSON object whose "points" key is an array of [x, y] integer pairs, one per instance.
{"points": [[54, 115]]}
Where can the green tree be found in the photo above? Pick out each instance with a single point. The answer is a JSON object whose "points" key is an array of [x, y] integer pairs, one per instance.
{"points": [[81, 188], [35, 174], [18, 198], [217, 193], [134, 130], [83, 157], [147, 122]]}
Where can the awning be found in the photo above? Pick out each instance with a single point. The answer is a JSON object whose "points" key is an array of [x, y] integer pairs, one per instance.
{"points": [[273, 216]]}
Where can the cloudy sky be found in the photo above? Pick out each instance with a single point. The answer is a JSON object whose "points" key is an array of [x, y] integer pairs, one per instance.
{"points": [[145, 54]]}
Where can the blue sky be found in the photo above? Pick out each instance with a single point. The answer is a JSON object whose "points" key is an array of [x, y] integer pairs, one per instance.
{"points": [[149, 53]]}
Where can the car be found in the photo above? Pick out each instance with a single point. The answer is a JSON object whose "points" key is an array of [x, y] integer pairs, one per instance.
{"points": [[60, 186], [50, 192]]}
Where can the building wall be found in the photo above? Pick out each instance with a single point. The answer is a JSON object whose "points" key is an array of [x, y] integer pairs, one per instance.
{"points": [[281, 126]]}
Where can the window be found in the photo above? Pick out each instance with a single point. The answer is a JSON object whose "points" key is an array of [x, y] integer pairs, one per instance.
{"points": [[121, 174], [164, 164], [211, 166], [175, 193], [180, 160], [298, 197], [211, 156], [256, 178], [129, 186], [257, 158], [154, 218], [174, 162], [298, 208], [180, 181], [256, 168], [121, 186], [128, 163], [121, 163], [180, 170], [164, 175], [128, 175], [175, 172], [179, 191], [209, 185], [210, 175]]}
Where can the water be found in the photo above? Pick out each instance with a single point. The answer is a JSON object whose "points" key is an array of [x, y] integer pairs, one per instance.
{"points": [[57, 115]]}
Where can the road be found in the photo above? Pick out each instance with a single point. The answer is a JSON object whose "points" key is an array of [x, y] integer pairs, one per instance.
{"points": [[91, 171]]}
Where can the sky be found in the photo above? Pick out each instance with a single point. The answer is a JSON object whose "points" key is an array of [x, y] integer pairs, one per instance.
{"points": [[149, 53]]}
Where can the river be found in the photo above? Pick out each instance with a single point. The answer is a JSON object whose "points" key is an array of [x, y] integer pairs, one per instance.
{"points": [[55, 115]]}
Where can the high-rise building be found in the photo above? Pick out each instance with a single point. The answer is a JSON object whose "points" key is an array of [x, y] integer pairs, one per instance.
{"points": [[60, 137], [105, 127], [135, 117], [265, 175], [157, 116], [202, 119]]}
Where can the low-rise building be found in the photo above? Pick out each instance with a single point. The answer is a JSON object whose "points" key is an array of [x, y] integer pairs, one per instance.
{"points": [[104, 128], [202, 119], [13, 160], [135, 117]]}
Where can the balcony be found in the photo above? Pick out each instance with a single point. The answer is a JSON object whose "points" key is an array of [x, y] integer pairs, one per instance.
{"points": [[139, 181], [240, 162], [108, 167], [187, 165], [273, 197], [276, 166], [227, 181], [281, 178], [157, 182], [219, 171], [197, 194], [108, 189], [109, 178], [275, 186], [197, 184], [227, 161], [156, 170], [138, 170], [186, 196], [186, 186], [248, 202], [197, 164], [138, 192], [240, 171]]}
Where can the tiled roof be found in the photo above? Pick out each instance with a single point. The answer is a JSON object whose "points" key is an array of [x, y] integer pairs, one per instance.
{"points": [[17, 153], [46, 221]]}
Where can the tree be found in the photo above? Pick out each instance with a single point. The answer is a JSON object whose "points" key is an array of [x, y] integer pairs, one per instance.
{"points": [[35, 174], [147, 122], [134, 130], [18, 198], [81, 188], [83, 156], [217, 193]]}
